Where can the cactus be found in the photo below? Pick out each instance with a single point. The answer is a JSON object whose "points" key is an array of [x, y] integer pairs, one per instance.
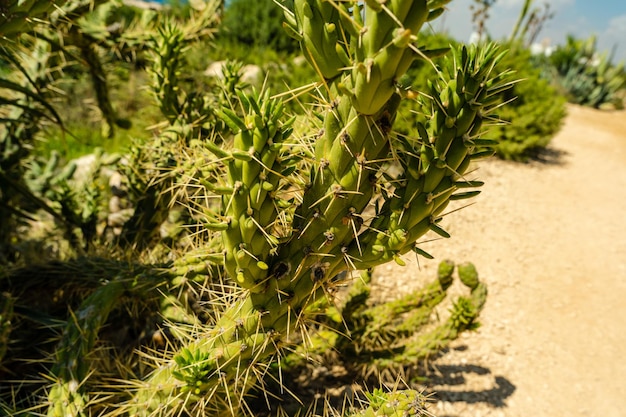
{"points": [[408, 403], [71, 368], [285, 207], [286, 251], [27, 95], [586, 76], [95, 289], [387, 339], [77, 203], [159, 174]]}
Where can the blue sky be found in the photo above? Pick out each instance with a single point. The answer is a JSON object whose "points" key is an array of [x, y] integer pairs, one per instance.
{"points": [[581, 18]]}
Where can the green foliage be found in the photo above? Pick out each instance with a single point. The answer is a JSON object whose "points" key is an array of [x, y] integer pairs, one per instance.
{"points": [[585, 76], [18, 16], [24, 108], [534, 111], [258, 24]]}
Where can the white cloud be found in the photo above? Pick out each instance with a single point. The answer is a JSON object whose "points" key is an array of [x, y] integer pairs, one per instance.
{"points": [[614, 37], [617, 26]]}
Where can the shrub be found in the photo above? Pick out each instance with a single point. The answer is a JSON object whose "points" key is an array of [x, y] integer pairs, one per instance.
{"points": [[257, 23], [585, 76], [534, 114]]}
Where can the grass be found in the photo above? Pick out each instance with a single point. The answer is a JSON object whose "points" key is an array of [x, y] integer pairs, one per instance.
{"points": [[83, 122]]}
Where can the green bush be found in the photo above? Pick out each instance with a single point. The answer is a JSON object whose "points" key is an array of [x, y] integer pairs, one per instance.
{"points": [[535, 112], [257, 23]]}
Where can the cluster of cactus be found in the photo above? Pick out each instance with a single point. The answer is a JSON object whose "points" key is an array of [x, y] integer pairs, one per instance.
{"points": [[284, 215], [93, 289], [586, 76], [76, 201], [28, 86], [166, 172], [286, 238], [387, 338]]}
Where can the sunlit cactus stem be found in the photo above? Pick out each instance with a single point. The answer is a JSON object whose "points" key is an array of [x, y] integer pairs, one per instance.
{"points": [[286, 257]]}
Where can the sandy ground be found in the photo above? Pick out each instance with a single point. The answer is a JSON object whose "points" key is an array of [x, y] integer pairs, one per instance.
{"points": [[549, 239]]}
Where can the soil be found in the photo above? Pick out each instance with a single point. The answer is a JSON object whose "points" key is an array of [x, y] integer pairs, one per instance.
{"points": [[549, 239]]}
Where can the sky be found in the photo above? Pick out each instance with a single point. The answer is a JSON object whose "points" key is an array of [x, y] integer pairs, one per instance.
{"points": [[581, 18]]}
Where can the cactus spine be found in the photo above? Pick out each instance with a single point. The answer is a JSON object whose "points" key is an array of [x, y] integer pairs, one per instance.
{"points": [[17, 16], [359, 51]]}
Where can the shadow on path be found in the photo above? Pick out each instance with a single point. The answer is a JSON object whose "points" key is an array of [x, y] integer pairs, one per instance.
{"points": [[453, 383], [549, 156]]}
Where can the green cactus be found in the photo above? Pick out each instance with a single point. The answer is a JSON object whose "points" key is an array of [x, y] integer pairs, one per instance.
{"points": [[586, 76], [283, 217], [286, 267], [77, 203], [36, 64], [397, 403], [159, 175], [386, 338], [71, 367]]}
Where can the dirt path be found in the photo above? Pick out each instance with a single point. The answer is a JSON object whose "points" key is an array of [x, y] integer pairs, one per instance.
{"points": [[549, 238]]}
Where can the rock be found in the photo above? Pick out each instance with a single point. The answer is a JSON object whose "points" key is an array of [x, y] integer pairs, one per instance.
{"points": [[215, 70], [84, 168], [118, 219], [115, 204], [116, 182], [250, 74]]}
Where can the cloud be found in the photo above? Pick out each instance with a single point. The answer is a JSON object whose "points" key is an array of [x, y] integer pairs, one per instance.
{"points": [[614, 36], [617, 26]]}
